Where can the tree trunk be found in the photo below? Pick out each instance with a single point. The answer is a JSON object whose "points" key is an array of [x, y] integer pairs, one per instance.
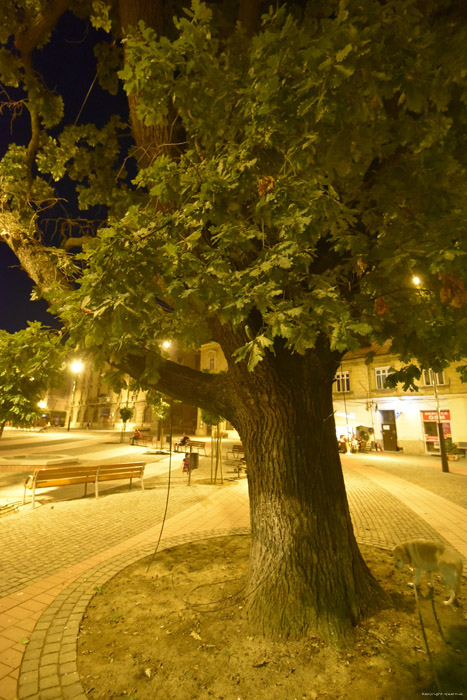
{"points": [[306, 572]]}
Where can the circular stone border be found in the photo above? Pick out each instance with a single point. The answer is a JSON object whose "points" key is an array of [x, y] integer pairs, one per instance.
{"points": [[49, 670]]}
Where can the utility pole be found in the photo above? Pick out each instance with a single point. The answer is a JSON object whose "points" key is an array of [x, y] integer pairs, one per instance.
{"points": [[442, 443]]}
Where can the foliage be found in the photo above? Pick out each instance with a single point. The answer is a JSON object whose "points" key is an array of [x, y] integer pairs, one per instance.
{"points": [[158, 404], [31, 361], [322, 168], [210, 418], [125, 413], [320, 165]]}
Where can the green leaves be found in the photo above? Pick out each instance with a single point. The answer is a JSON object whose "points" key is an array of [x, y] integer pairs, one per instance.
{"points": [[292, 182], [31, 361]]}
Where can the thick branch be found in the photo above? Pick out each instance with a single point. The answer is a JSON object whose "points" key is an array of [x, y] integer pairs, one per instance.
{"points": [[208, 391], [33, 257], [43, 24]]}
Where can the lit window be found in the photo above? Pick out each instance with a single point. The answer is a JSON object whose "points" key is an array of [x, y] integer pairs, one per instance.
{"points": [[382, 373], [429, 377], [342, 382]]}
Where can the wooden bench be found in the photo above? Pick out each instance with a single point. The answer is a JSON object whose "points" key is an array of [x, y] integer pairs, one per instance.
{"points": [[142, 440], [194, 444], [44, 477], [237, 452]]}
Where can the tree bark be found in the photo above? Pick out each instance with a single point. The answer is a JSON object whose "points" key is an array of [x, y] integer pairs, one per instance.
{"points": [[306, 572]]}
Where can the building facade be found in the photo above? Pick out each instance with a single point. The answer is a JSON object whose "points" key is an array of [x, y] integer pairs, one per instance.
{"points": [[394, 418], [93, 404]]}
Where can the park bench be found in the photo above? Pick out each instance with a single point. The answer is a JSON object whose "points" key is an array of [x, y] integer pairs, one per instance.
{"points": [[195, 444], [237, 452], [142, 440], [45, 477]]}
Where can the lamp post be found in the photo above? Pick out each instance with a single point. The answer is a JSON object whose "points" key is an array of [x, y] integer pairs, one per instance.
{"points": [[76, 367], [442, 443]]}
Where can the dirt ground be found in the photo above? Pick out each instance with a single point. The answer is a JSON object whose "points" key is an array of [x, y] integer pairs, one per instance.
{"points": [[178, 632]]}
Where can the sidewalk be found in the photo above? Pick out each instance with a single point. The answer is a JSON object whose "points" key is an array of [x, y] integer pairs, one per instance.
{"points": [[49, 579]]}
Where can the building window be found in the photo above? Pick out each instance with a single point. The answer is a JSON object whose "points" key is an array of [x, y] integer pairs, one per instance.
{"points": [[382, 373], [212, 363], [342, 382], [429, 377]]}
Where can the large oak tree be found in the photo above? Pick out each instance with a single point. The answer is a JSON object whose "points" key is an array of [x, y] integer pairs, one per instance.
{"points": [[288, 175]]}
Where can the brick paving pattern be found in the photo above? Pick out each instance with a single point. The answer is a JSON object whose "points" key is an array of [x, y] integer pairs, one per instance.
{"points": [[53, 558]]}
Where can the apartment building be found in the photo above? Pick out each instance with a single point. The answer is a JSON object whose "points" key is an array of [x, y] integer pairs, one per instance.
{"points": [[397, 419]]}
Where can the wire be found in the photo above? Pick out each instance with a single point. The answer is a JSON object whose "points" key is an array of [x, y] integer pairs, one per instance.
{"points": [[168, 489], [435, 675]]}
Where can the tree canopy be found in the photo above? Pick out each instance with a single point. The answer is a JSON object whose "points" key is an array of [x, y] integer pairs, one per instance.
{"points": [[308, 173], [31, 362]]}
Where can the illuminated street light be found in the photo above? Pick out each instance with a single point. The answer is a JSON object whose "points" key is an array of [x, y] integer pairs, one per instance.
{"points": [[166, 344], [416, 281], [42, 403], [76, 368]]}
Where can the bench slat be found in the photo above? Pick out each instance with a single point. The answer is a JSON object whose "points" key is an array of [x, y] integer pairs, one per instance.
{"points": [[45, 477]]}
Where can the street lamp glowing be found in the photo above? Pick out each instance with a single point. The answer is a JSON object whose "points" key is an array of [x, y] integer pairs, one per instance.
{"points": [[166, 344], [416, 281], [42, 403], [76, 366]]}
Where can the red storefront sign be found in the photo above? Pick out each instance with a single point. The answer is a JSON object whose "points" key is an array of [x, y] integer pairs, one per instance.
{"points": [[432, 416]]}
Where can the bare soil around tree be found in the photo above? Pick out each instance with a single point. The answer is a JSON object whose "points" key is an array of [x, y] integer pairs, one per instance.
{"points": [[178, 631]]}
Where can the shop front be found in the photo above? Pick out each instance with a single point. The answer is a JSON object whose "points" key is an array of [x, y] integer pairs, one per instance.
{"points": [[430, 429]]}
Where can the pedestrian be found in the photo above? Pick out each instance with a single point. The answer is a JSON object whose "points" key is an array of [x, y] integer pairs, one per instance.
{"points": [[135, 436], [186, 462], [181, 443]]}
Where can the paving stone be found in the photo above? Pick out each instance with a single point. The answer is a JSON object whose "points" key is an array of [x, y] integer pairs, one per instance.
{"points": [[70, 678], [51, 694], [48, 682], [28, 690], [73, 692], [47, 671]]}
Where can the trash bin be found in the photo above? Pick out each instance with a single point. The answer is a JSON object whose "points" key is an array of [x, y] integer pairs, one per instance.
{"points": [[194, 460]]}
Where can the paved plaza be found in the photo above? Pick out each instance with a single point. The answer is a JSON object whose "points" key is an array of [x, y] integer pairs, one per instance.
{"points": [[54, 557]]}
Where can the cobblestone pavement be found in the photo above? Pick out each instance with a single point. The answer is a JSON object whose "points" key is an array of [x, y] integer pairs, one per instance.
{"points": [[54, 557]]}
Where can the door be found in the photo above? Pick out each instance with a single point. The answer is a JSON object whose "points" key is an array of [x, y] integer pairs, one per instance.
{"points": [[388, 428]]}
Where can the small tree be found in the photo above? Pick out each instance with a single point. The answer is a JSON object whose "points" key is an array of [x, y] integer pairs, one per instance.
{"points": [[30, 363], [125, 414], [212, 419], [160, 408]]}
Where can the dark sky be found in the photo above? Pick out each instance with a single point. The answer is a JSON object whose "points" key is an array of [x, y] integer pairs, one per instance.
{"points": [[68, 66], [15, 292]]}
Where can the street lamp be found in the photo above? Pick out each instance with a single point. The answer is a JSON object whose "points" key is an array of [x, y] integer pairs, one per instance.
{"points": [[442, 442], [76, 368]]}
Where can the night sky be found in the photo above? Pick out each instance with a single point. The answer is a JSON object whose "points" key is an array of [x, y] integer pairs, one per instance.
{"points": [[68, 66]]}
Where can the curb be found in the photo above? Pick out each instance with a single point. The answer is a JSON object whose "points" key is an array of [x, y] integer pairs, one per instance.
{"points": [[49, 670]]}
